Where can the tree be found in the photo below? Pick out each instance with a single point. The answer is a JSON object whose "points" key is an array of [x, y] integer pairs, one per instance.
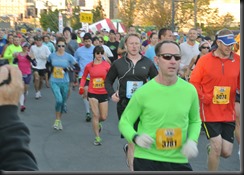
{"points": [[49, 19], [127, 9], [98, 12], [223, 21], [156, 13], [75, 18], [227, 20]]}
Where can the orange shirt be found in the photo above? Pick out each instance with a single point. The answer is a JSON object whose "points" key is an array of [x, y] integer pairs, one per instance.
{"points": [[212, 71]]}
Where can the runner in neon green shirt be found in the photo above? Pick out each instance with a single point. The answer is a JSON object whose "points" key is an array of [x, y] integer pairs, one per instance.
{"points": [[170, 122], [12, 49]]}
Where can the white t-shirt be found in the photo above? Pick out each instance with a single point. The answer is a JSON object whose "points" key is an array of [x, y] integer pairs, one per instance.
{"points": [[187, 53], [107, 51], [40, 54]]}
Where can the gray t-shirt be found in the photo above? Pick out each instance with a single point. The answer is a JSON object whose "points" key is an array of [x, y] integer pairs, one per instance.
{"points": [[71, 47]]}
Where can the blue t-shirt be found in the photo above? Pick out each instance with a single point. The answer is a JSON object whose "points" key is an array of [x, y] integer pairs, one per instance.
{"points": [[59, 63], [84, 56], [3, 42], [150, 53]]}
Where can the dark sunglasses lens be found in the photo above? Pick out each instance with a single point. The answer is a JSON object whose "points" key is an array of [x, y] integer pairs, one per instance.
{"points": [[169, 57], [100, 52], [205, 47], [177, 58], [61, 45]]}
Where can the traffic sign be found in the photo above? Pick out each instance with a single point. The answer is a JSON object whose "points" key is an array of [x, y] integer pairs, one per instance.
{"points": [[86, 17]]}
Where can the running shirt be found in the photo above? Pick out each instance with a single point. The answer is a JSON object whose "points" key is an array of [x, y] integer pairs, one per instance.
{"points": [[130, 76], [98, 74], [150, 53], [59, 63], [40, 54], [218, 80], [10, 50], [187, 53], [84, 56], [24, 64], [165, 112]]}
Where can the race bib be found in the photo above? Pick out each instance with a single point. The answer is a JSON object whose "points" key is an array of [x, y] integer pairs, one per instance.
{"points": [[131, 87], [221, 95], [168, 138], [98, 83], [58, 72]]}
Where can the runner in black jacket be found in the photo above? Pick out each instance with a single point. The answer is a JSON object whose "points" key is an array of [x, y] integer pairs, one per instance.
{"points": [[132, 70]]}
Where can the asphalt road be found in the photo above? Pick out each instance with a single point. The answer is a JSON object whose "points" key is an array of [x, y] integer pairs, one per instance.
{"points": [[72, 149]]}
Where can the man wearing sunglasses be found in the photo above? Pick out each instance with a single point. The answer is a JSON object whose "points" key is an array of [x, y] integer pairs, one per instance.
{"points": [[168, 128], [216, 78]]}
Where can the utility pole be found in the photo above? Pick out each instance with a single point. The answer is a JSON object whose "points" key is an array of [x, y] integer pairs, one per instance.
{"points": [[173, 16], [195, 13]]}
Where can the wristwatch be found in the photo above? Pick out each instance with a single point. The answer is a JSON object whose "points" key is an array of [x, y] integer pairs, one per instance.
{"points": [[134, 138]]}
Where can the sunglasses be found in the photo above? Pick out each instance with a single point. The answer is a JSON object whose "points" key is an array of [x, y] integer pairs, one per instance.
{"points": [[168, 56], [61, 45], [205, 47], [99, 53]]}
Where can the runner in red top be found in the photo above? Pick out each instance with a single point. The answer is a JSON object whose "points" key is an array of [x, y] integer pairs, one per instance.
{"points": [[216, 78], [97, 94]]}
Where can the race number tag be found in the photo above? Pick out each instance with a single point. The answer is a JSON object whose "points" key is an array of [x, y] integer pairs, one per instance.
{"points": [[221, 95], [58, 72], [98, 83], [168, 138], [131, 87]]}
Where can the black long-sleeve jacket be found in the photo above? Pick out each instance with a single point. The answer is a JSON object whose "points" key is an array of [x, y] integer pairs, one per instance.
{"points": [[125, 70], [15, 154]]}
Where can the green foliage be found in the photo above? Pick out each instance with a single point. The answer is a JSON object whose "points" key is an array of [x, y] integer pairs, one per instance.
{"points": [[75, 18], [156, 13], [98, 12], [127, 12], [49, 19]]}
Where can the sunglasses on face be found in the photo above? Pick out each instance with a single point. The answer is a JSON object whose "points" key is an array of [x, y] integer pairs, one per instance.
{"points": [[100, 53], [205, 47], [61, 45], [168, 56]]}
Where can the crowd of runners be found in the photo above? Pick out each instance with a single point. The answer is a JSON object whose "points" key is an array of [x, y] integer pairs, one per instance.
{"points": [[188, 83]]}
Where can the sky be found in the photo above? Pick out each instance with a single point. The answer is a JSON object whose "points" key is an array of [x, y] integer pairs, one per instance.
{"points": [[231, 6]]}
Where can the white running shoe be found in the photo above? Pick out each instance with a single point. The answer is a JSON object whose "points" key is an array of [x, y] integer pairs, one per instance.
{"points": [[38, 95], [239, 153]]}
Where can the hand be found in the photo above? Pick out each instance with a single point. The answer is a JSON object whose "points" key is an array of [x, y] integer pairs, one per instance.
{"points": [[15, 54], [189, 149], [10, 92], [144, 141], [115, 97], [81, 90], [33, 61]]}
